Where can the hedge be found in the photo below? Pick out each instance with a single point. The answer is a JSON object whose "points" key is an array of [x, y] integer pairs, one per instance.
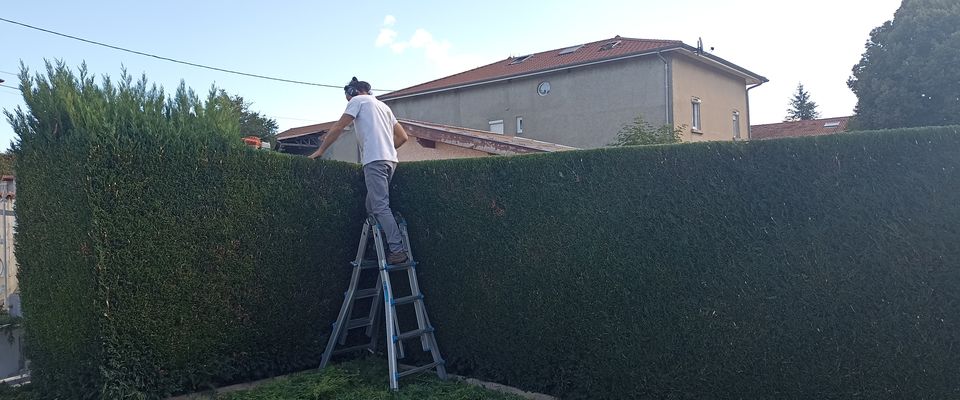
{"points": [[158, 254], [819, 268]]}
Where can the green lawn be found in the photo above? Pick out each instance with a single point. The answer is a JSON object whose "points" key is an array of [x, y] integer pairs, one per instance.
{"points": [[363, 380], [352, 380]]}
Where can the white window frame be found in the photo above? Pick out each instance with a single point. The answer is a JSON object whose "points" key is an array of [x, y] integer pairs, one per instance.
{"points": [[736, 124], [696, 124], [495, 123], [519, 125]]}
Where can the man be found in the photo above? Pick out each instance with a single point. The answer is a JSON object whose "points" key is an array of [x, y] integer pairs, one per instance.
{"points": [[379, 135]]}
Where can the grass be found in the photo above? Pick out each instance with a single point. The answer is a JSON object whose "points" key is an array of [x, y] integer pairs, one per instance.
{"points": [[364, 379]]}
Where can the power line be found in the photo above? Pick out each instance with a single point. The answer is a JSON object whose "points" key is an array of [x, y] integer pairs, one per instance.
{"points": [[8, 73], [177, 61], [11, 87]]}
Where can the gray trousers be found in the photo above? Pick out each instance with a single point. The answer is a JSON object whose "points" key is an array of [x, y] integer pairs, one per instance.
{"points": [[377, 176]]}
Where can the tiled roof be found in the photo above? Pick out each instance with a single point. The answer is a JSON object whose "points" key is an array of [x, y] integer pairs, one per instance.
{"points": [[599, 51], [812, 127]]}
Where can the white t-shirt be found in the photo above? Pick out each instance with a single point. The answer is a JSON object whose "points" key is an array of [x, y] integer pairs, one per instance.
{"points": [[374, 122]]}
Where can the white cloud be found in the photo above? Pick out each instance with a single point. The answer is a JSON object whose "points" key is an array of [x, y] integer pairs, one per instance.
{"points": [[437, 52], [386, 37]]}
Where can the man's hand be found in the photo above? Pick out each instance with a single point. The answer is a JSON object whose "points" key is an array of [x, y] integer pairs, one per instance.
{"points": [[332, 135]]}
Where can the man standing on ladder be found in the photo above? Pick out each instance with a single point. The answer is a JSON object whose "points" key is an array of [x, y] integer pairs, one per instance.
{"points": [[379, 135]]}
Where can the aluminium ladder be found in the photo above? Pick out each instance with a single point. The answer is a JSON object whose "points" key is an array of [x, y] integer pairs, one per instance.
{"points": [[346, 322]]}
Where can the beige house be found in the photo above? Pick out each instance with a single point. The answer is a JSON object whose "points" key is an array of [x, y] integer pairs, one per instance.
{"points": [[8, 220], [428, 141], [582, 95]]}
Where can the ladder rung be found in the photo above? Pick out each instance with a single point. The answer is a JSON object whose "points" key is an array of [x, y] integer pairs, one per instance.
{"points": [[420, 368], [401, 266], [367, 264], [412, 334], [353, 348], [358, 323], [366, 293], [406, 300]]}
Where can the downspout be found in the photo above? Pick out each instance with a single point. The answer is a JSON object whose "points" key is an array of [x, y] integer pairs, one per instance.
{"points": [[749, 130], [668, 105]]}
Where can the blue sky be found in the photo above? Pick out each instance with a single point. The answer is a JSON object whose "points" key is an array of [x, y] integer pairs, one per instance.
{"points": [[395, 44]]}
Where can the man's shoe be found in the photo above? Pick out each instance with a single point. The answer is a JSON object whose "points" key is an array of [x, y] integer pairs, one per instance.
{"points": [[396, 258]]}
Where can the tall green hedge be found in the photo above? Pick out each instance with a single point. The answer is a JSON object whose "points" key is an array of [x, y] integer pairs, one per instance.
{"points": [[812, 268], [157, 253]]}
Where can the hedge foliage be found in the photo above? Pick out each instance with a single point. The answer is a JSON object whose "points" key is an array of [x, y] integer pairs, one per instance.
{"points": [[157, 254], [811, 268]]}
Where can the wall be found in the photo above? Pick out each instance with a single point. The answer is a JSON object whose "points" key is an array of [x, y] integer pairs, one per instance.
{"points": [[412, 150], [585, 108], [720, 94]]}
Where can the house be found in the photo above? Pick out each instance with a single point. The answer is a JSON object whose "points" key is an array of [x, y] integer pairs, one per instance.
{"points": [[582, 95], [428, 141], [815, 127], [8, 220]]}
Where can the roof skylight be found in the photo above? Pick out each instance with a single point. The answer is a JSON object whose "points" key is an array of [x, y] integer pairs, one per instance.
{"points": [[610, 45], [520, 59], [569, 50], [832, 124]]}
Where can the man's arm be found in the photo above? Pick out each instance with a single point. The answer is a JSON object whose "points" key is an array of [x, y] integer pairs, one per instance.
{"points": [[399, 135], [332, 135]]}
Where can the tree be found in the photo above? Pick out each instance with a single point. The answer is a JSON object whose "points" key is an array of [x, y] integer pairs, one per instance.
{"points": [[251, 123], [801, 107], [640, 132], [908, 75]]}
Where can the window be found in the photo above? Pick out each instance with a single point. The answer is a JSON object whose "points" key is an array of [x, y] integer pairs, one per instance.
{"points": [[695, 124], [832, 124], [519, 125], [520, 59], [496, 126], [736, 125], [569, 50], [610, 45]]}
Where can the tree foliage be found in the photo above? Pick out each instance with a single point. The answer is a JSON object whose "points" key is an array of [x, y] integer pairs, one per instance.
{"points": [[908, 75], [640, 133], [252, 123], [801, 107]]}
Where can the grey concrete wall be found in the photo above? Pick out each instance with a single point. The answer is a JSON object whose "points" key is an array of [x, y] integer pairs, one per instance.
{"points": [[585, 108]]}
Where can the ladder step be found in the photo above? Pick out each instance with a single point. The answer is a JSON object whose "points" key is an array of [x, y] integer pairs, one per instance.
{"points": [[358, 323], [412, 334], [406, 300], [353, 348], [366, 293], [401, 266], [367, 264], [420, 368]]}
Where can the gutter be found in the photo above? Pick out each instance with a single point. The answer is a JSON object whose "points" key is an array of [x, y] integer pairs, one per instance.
{"points": [[668, 105], [749, 129]]}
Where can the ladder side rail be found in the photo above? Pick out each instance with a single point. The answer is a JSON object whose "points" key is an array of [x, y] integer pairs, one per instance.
{"points": [[388, 309], [342, 317], [422, 321]]}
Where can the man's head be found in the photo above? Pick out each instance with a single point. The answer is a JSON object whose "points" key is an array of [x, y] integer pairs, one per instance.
{"points": [[356, 88]]}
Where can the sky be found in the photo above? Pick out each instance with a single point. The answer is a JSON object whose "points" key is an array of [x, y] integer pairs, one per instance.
{"points": [[394, 45]]}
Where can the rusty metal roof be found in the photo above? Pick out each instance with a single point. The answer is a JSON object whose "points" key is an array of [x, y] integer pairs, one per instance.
{"points": [[489, 142]]}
